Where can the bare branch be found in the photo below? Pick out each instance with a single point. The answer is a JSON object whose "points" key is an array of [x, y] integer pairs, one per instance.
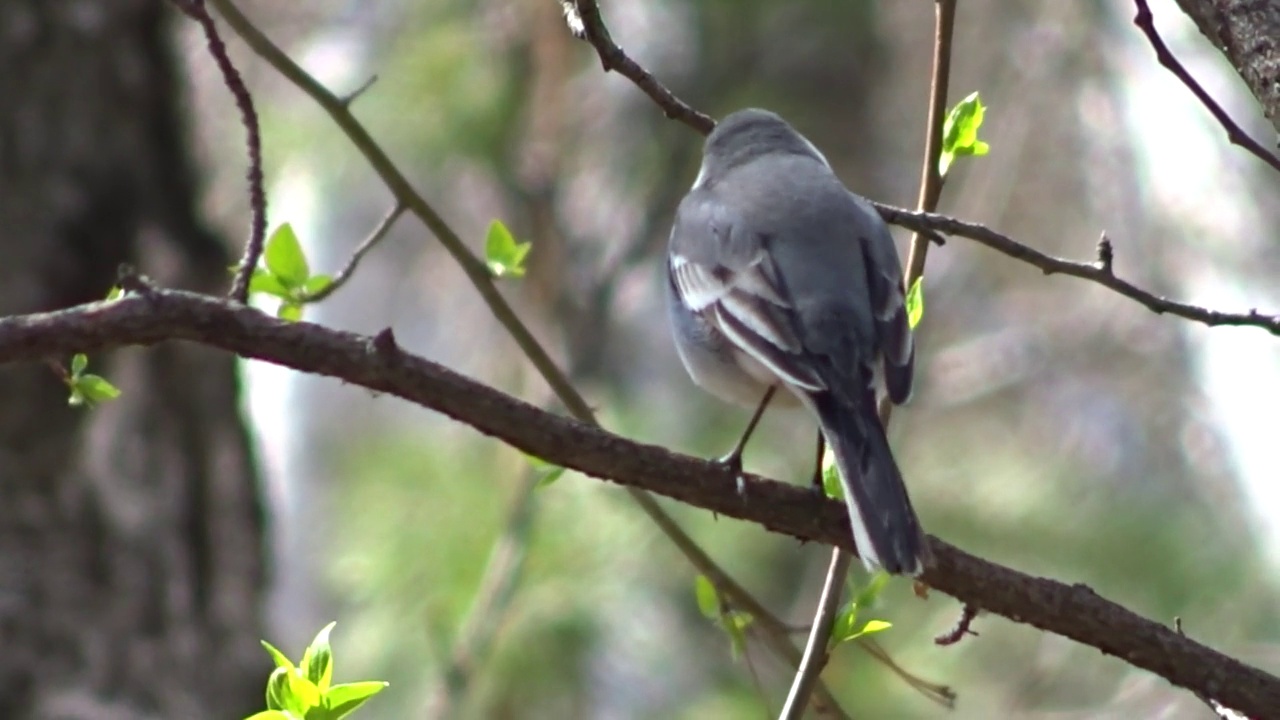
{"points": [[196, 10], [1100, 273], [1237, 136], [1245, 31], [583, 18], [1074, 611], [344, 274]]}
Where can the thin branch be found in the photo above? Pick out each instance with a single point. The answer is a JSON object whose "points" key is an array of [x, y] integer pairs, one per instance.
{"points": [[583, 18], [931, 179], [478, 274], [149, 316], [817, 646], [1146, 23], [345, 273], [1099, 272], [196, 10]]}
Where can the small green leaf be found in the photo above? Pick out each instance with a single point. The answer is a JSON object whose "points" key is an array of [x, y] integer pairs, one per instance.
{"points": [[285, 259], [866, 597], [290, 311], [831, 484], [546, 472], [915, 302], [281, 660], [316, 283], [875, 626], [262, 281], [271, 715], [708, 598], [79, 362], [96, 389], [735, 624], [317, 661], [342, 700], [115, 293], [504, 256], [278, 695], [77, 398], [960, 132], [844, 627], [304, 694]]}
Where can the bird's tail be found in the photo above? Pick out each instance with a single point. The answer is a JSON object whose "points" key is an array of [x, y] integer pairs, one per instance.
{"points": [[885, 527]]}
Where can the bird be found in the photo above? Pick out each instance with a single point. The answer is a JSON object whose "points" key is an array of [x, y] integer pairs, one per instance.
{"points": [[782, 280]]}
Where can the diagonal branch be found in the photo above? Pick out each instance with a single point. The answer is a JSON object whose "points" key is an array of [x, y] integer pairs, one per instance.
{"points": [[1248, 33], [1146, 23], [149, 316], [583, 18]]}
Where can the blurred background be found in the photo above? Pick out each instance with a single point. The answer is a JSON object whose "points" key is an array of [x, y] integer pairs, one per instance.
{"points": [[1056, 427]]}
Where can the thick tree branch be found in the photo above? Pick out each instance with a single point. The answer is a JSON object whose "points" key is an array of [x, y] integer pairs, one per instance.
{"points": [[1074, 611], [1248, 33]]}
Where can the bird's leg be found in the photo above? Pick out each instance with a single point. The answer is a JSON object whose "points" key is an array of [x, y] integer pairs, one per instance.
{"points": [[734, 459], [816, 482]]}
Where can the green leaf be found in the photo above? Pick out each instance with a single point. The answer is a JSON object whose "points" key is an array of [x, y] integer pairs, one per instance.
{"points": [[96, 389], [708, 598], [546, 472], [77, 398], [303, 693], [316, 283], [866, 597], [844, 627], [271, 715], [278, 695], [342, 700], [281, 660], [115, 293], [831, 484], [79, 362], [290, 311], [875, 626], [262, 281], [915, 302], [735, 624], [960, 132], [503, 255], [317, 661], [285, 259]]}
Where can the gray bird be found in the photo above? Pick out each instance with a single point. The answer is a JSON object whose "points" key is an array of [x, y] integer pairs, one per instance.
{"points": [[779, 276]]}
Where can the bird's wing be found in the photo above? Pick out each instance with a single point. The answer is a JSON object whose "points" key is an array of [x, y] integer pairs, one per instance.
{"points": [[725, 274], [888, 303]]}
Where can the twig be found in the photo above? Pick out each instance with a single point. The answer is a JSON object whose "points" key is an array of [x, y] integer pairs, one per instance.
{"points": [[961, 628], [583, 18], [1072, 611], [478, 274], [345, 273], [815, 652], [1093, 272], [1146, 23], [196, 10], [816, 647]]}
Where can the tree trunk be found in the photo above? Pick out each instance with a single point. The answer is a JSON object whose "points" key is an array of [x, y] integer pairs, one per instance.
{"points": [[131, 535]]}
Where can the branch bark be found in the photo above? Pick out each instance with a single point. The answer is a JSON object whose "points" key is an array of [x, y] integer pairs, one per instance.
{"points": [[1248, 33], [153, 316]]}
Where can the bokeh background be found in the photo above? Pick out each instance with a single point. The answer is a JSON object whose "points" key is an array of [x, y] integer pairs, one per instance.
{"points": [[1056, 428]]}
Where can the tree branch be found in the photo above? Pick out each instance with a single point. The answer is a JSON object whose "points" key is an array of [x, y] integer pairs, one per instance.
{"points": [[149, 316], [1099, 272], [1248, 33], [1146, 23]]}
